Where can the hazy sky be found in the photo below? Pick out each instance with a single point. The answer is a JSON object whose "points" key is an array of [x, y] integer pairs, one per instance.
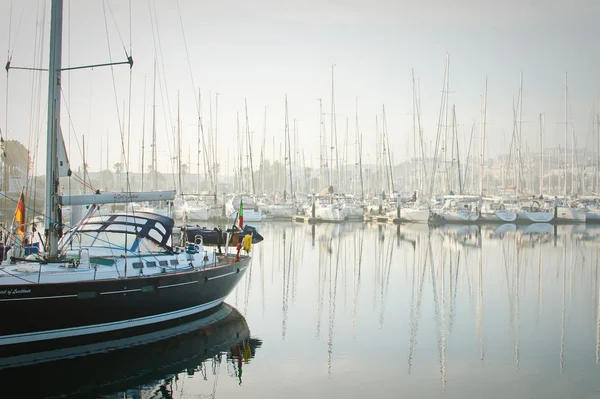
{"points": [[265, 49]]}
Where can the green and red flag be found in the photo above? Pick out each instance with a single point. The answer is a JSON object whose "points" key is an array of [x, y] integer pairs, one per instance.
{"points": [[241, 214]]}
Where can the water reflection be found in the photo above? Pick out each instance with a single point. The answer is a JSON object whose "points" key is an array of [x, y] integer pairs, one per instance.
{"points": [[466, 306], [157, 365]]}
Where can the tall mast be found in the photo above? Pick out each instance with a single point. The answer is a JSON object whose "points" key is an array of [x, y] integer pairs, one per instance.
{"points": [[285, 146], [541, 155], [241, 149], [445, 116], [143, 137], [566, 135], [154, 151], [215, 143], [179, 185], [52, 221], [262, 154], [483, 123], [249, 147], [389, 154], [334, 132], [574, 170], [520, 134], [460, 182], [598, 154], [416, 179], [198, 142]]}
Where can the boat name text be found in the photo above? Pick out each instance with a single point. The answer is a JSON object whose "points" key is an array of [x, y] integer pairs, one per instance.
{"points": [[15, 291]]}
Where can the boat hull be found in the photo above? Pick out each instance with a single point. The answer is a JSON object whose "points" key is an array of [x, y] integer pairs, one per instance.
{"points": [[592, 216], [569, 215], [414, 215], [50, 315], [534, 217], [455, 217]]}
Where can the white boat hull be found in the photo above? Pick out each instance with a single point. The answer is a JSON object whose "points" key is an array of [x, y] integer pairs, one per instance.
{"points": [[570, 215], [280, 211], [534, 217], [456, 217], [329, 214], [414, 215]]}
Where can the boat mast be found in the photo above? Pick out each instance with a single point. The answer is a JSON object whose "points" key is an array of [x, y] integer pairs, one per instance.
{"points": [[541, 155], [198, 143], [483, 123], [249, 147], [179, 186], [262, 154], [288, 150], [455, 134], [143, 139], [154, 176], [285, 146], [598, 154], [566, 136], [215, 143], [389, 154], [52, 221], [333, 132]]}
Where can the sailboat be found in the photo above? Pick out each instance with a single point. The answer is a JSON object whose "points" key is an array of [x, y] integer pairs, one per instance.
{"points": [[115, 275]]}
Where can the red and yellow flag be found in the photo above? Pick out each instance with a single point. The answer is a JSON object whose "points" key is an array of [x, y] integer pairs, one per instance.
{"points": [[20, 216]]}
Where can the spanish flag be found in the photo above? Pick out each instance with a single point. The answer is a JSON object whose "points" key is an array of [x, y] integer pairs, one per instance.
{"points": [[20, 216], [241, 214]]}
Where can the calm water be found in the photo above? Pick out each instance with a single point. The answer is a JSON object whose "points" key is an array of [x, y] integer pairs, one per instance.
{"points": [[357, 310]]}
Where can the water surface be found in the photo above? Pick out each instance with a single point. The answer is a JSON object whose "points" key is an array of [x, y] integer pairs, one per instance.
{"points": [[381, 311]]}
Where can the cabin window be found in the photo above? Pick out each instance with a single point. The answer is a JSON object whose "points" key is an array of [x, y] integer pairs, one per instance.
{"points": [[163, 263], [151, 264], [106, 239], [147, 246], [137, 265], [174, 262]]}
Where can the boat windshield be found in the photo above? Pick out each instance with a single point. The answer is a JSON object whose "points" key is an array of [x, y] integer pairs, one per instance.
{"points": [[115, 240], [141, 233]]}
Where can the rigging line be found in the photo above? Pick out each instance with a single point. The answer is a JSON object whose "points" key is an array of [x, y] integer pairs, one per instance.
{"points": [[187, 55], [112, 71], [9, 31], [12, 50], [158, 53], [130, 32], [162, 62], [117, 26]]}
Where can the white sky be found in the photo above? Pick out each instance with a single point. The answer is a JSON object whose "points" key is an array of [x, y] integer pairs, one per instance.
{"points": [[265, 49]]}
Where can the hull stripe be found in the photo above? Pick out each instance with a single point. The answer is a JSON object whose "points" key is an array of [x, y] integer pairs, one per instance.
{"points": [[119, 292], [177, 285], [226, 274], [220, 276], [105, 327], [38, 297]]}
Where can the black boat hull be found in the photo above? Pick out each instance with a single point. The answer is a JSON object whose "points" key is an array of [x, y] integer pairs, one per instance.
{"points": [[41, 316]]}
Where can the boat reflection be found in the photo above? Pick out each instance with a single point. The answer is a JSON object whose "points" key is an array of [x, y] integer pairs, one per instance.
{"points": [[145, 365]]}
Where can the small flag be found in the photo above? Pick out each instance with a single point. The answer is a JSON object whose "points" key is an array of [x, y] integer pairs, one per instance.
{"points": [[20, 216], [241, 214]]}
